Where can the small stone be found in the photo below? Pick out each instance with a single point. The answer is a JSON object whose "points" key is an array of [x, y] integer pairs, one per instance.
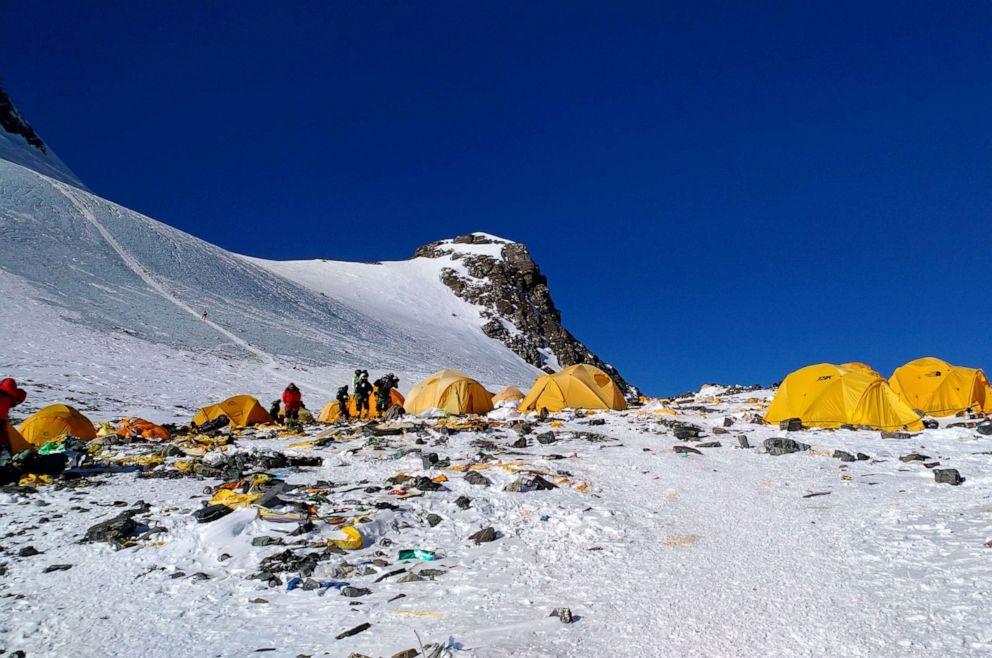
{"points": [[477, 479], [519, 443], [546, 438], [354, 631], [710, 444], [258, 600], [779, 446], [895, 435], [720, 430], [685, 450], [728, 422], [28, 551], [431, 574], [563, 614], [843, 456], [791, 425], [463, 502], [57, 567], [484, 535], [743, 442], [686, 432], [409, 578], [353, 592], [310, 584], [198, 576], [433, 519], [914, 457], [947, 476], [265, 540], [862, 457], [596, 422], [409, 653]]}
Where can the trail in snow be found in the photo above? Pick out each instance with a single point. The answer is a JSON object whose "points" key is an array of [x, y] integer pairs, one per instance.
{"points": [[269, 363]]}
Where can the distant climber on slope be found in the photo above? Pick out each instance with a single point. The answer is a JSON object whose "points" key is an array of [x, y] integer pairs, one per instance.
{"points": [[343, 402], [292, 399], [383, 392], [10, 396], [363, 389]]}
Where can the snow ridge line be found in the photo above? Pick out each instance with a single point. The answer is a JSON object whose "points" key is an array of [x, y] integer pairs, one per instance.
{"points": [[269, 362]]}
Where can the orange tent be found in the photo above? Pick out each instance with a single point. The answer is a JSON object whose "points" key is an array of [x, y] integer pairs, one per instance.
{"points": [[141, 428]]}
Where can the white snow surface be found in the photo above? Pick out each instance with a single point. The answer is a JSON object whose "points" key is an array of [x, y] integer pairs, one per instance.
{"points": [[14, 148], [719, 554], [105, 307]]}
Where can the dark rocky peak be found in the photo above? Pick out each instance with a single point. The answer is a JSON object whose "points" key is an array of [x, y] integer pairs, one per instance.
{"points": [[501, 277], [12, 122]]}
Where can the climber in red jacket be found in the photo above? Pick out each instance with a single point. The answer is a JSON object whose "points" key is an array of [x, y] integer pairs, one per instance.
{"points": [[10, 396], [292, 400]]}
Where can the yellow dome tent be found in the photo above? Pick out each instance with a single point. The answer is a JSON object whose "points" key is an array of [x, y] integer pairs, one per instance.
{"points": [[54, 422], [937, 388], [864, 367], [508, 394], [451, 391], [576, 387], [13, 438], [331, 411], [241, 410], [827, 395]]}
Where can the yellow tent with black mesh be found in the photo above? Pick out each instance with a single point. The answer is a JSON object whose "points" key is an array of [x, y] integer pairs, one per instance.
{"points": [[576, 387], [241, 410], [508, 394], [54, 422], [451, 391], [331, 411], [828, 395], [938, 388]]}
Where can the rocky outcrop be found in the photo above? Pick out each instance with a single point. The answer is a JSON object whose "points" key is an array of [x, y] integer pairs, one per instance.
{"points": [[516, 302], [12, 122]]}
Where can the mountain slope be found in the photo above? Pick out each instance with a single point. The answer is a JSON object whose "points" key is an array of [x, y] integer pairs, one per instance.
{"points": [[108, 307]]}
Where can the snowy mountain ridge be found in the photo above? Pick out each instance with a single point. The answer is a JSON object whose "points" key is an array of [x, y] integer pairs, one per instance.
{"points": [[117, 311]]}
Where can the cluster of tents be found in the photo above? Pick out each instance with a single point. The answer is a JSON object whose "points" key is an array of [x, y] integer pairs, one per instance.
{"points": [[853, 394], [450, 391]]}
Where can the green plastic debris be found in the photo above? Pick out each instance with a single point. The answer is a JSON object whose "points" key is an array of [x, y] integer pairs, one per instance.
{"points": [[417, 554], [52, 447]]}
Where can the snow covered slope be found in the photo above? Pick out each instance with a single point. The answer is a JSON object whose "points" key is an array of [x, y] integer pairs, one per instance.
{"points": [[21, 144]]}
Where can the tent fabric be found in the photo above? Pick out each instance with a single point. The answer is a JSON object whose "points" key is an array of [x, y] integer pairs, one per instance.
{"points": [[576, 387], [864, 367], [56, 421], [938, 388], [139, 427], [451, 391], [508, 394], [828, 395], [13, 438], [241, 410], [332, 411]]}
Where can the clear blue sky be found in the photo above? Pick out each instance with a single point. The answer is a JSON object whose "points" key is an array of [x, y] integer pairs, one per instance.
{"points": [[716, 193]]}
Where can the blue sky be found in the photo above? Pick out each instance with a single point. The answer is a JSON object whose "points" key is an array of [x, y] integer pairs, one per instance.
{"points": [[716, 193]]}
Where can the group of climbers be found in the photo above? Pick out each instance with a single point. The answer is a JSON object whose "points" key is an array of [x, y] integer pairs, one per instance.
{"points": [[288, 408]]}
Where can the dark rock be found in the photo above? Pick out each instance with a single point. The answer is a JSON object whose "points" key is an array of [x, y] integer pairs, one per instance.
{"points": [[433, 519], [211, 513], [686, 432], [779, 446], [546, 438], [519, 443], [198, 576], [484, 535], [463, 502], [914, 457], [843, 456], [409, 578], [428, 460], [57, 567], [862, 457], [477, 479], [720, 430], [408, 653], [258, 600], [685, 450], [28, 551], [431, 574], [728, 422], [425, 484], [596, 422], [947, 476], [895, 435], [743, 442], [791, 425], [118, 530], [310, 584], [710, 444], [354, 592], [265, 540], [353, 631], [563, 614]]}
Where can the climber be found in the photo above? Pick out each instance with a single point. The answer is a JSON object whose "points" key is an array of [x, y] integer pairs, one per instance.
{"points": [[343, 401], [275, 409], [383, 392], [363, 389], [10, 396], [292, 400]]}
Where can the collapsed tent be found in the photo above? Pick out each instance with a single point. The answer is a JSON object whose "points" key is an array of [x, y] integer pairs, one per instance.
{"points": [[241, 410], [332, 411], [938, 388], [133, 428], [451, 391], [827, 395], [508, 394], [54, 422], [576, 387]]}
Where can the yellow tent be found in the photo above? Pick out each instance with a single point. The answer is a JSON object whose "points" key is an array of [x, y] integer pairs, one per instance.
{"points": [[56, 421], [826, 395], [13, 438], [937, 388], [864, 367], [331, 411], [451, 391], [508, 394], [576, 387], [241, 410]]}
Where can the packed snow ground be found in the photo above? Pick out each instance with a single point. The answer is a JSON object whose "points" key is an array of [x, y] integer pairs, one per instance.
{"points": [[658, 554]]}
